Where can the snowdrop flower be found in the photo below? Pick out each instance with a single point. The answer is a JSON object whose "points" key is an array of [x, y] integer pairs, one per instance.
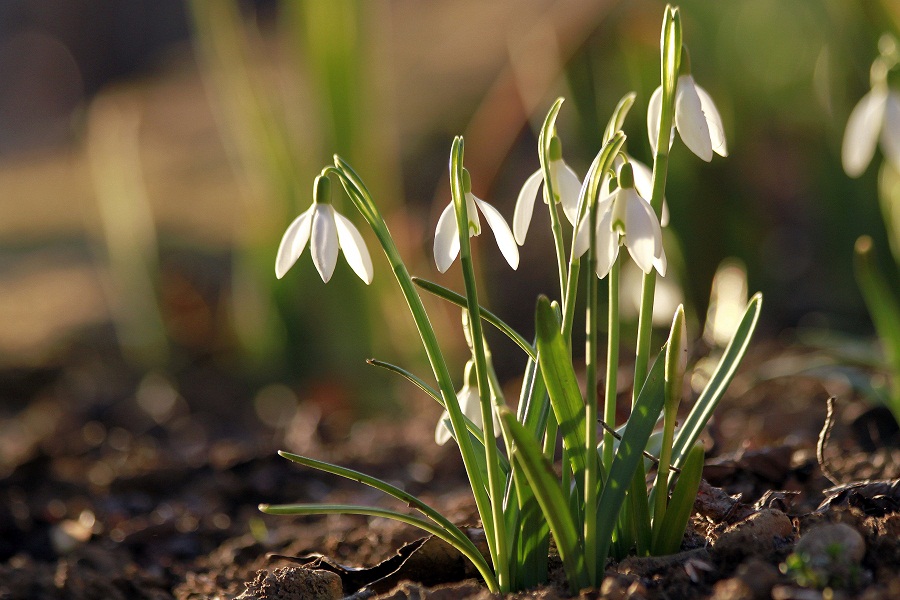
{"points": [[643, 183], [565, 182], [696, 117], [877, 114], [327, 231], [624, 217], [469, 403], [446, 236]]}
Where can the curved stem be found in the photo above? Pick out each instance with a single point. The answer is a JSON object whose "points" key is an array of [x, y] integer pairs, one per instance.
{"points": [[362, 199], [495, 481]]}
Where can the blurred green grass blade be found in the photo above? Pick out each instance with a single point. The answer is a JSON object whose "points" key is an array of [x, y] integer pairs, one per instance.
{"points": [[667, 540], [562, 385], [459, 300], [634, 439], [468, 550], [884, 310], [539, 472], [702, 410]]}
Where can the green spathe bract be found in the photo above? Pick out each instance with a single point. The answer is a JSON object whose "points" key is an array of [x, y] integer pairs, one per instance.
{"points": [[598, 507]]}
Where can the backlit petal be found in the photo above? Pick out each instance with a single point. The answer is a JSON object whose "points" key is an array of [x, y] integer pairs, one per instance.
{"points": [[446, 239], [690, 120], [643, 237], [713, 121], [442, 430], [324, 243], [354, 247], [890, 130], [502, 232], [293, 242], [568, 186], [525, 205], [654, 108], [607, 245], [582, 232], [861, 134]]}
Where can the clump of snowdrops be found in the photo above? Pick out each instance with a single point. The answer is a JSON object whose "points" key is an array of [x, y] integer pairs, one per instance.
{"points": [[600, 505]]}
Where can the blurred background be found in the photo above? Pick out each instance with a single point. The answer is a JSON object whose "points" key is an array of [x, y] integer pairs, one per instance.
{"points": [[152, 153]]}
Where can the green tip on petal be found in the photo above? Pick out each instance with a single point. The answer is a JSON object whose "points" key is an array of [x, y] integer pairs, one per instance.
{"points": [[322, 190]]}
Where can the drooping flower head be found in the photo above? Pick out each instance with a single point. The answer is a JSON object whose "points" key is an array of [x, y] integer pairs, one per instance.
{"points": [[624, 218], [446, 236], [696, 116], [565, 183], [876, 116], [327, 231]]}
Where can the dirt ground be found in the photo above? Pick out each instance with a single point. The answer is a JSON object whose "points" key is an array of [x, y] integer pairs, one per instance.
{"points": [[116, 486]]}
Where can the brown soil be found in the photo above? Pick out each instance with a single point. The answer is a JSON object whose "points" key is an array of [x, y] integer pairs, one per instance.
{"points": [[103, 497]]}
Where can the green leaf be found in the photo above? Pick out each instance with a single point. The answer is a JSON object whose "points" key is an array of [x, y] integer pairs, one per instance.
{"points": [[539, 472], [885, 312], [459, 300], [671, 531], [468, 550], [718, 383], [562, 385], [640, 425], [380, 485]]}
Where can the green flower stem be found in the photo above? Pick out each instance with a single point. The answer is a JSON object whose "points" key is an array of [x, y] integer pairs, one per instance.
{"points": [[670, 47], [590, 450], [495, 482], [662, 472], [612, 364], [550, 193], [362, 200]]}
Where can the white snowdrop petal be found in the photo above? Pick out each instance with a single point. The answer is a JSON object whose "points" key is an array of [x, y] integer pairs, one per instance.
{"points": [[861, 134], [293, 242], [654, 108], [643, 177], [446, 239], [690, 120], [525, 205], [503, 234], [890, 130], [642, 235], [582, 236], [442, 431], [568, 187], [607, 245], [713, 121], [354, 247], [324, 243]]}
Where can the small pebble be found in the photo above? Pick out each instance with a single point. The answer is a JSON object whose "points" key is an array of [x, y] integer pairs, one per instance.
{"points": [[833, 541]]}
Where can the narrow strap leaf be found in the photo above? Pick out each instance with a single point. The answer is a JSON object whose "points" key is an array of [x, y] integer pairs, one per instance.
{"points": [[468, 550], [460, 300], [718, 383], [549, 494], [667, 539], [634, 439], [562, 385]]}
